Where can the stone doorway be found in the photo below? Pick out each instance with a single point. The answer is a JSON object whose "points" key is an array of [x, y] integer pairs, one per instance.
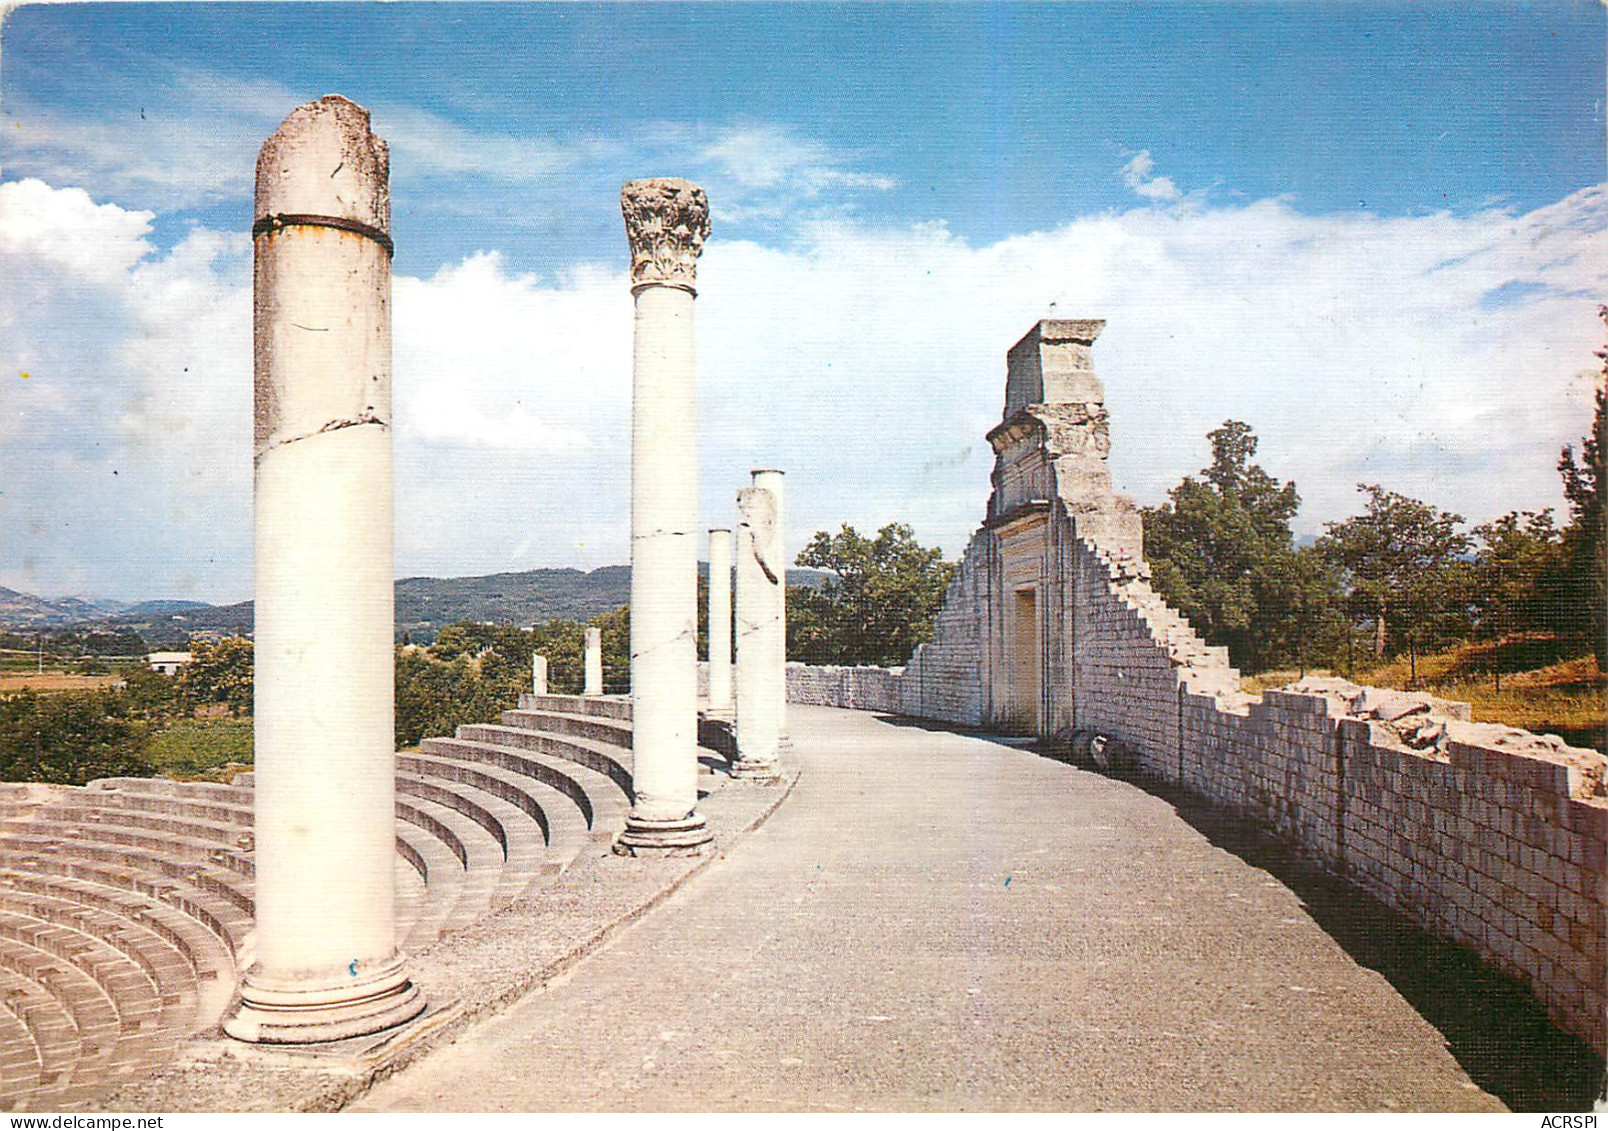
{"points": [[1024, 662]]}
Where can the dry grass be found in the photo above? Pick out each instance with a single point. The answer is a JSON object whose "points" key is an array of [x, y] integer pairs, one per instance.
{"points": [[1544, 688], [12, 683]]}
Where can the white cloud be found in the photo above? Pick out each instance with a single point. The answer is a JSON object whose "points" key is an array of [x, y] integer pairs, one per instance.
{"points": [[1136, 174], [1445, 356]]}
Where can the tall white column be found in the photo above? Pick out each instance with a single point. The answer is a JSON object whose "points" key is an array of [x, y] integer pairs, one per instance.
{"points": [[758, 573], [538, 673], [666, 222], [719, 620], [327, 964], [772, 480], [594, 662]]}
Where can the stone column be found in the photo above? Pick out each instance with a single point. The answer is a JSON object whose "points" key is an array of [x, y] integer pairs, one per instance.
{"points": [[594, 662], [666, 222], [538, 673], [327, 964], [771, 480], [719, 620], [758, 572]]}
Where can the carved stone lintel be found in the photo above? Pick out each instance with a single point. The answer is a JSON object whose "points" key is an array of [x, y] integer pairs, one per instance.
{"points": [[666, 222]]}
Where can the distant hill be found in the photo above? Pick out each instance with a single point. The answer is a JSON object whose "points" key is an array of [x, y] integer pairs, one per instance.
{"points": [[424, 605], [25, 612]]}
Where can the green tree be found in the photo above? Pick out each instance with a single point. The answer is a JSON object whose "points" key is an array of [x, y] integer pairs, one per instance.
{"points": [[218, 672], [616, 631], [878, 604], [1221, 553], [1402, 560], [70, 739], [1514, 573], [1585, 550]]}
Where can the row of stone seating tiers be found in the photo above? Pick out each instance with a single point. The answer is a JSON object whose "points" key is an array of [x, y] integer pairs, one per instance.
{"points": [[126, 908]]}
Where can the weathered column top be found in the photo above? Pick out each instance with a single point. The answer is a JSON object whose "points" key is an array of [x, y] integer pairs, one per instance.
{"points": [[666, 222], [324, 162]]}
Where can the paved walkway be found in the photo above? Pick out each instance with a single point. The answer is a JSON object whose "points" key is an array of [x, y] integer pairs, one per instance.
{"points": [[941, 921]]}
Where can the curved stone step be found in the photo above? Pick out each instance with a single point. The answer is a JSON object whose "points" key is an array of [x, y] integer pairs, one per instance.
{"points": [[38, 1040], [224, 918], [545, 827], [602, 706], [85, 812], [210, 957], [40, 953], [164, 963], [593, 728], [212, 878], [87, 1006], [115, 827], [602, 757], [230, 814], [590, 780], [443, 874], [410, 896], [487, 854]]}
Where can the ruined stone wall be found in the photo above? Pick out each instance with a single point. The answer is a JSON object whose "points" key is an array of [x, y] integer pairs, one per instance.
{"points": [[859, 689], [944, 680], [1493, 837]]}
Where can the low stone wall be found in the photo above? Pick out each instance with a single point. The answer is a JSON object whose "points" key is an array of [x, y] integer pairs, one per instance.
{"points": [[859, 689]]}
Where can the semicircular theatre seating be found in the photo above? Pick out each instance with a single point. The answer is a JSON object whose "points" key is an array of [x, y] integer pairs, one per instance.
{"points": [[126, 906]]}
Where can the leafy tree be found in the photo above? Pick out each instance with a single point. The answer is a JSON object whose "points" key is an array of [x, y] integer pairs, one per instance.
{"points": [[1514, 574], [1221, 553], [1403, 562], [616, 631], [70, 739], [879, 603], [219, 672], [1586, 553], [473, 672]]}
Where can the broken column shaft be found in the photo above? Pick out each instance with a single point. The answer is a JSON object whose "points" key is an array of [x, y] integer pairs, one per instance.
{"points": [[666, 222], [594, 662], [327, 964], [758, 572], [772, 480], [719, 620]]}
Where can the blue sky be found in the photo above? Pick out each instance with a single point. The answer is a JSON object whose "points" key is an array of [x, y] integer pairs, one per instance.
{"points": [[1373, 231]]}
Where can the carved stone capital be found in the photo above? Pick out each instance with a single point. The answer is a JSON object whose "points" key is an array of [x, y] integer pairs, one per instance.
{"points": [[666, 221]]}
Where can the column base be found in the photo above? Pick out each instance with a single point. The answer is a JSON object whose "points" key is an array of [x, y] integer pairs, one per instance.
{"points": [[686, 836], [270, 1015], [755, 770]]}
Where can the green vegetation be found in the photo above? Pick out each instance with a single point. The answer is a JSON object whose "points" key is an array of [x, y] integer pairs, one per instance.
{"points": [[475, 671], [218, 673], [201, 749], [877, 603], [1508, 616], [70, 739]]}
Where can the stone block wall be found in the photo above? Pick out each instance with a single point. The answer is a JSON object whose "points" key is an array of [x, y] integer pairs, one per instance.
{"points": [[1493, 837], [944, 680], [860, 689], [1500, 847]]}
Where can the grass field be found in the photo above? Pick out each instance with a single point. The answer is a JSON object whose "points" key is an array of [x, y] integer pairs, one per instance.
{"points": [[202, 749], [1546, 685]]}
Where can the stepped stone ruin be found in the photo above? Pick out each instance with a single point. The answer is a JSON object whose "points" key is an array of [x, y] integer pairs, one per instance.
{"points": [[1490, 836]]}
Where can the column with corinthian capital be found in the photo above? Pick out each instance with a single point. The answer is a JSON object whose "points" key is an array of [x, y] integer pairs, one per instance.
{"points": [[666, 222]]}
